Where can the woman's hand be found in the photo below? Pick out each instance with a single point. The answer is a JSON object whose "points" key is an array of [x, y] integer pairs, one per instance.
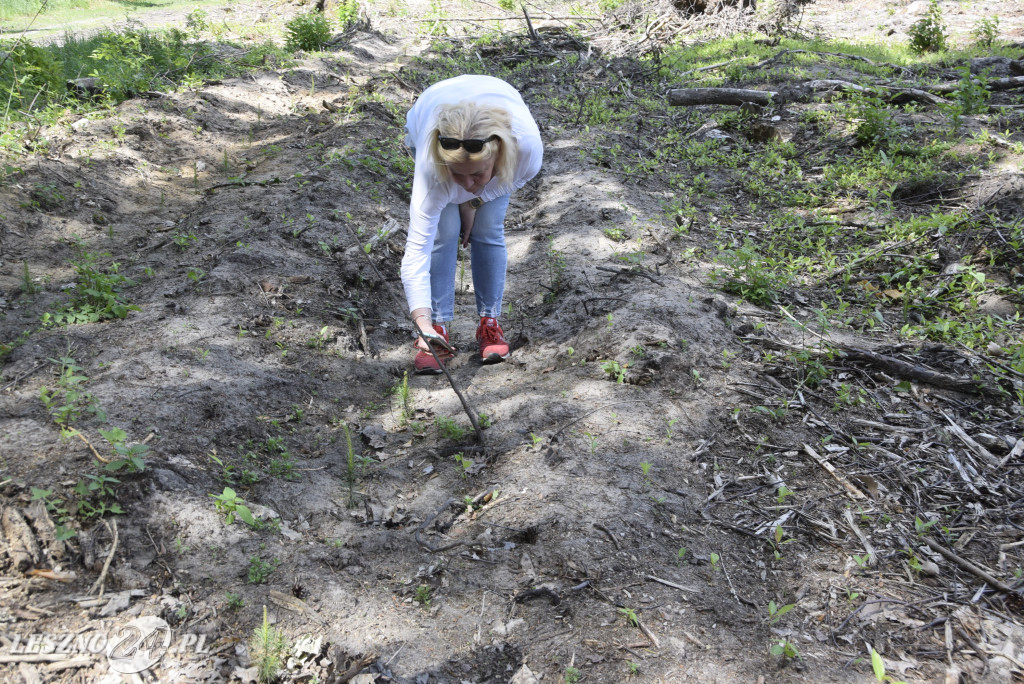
{"points": [[421, 318], [467, 213]]}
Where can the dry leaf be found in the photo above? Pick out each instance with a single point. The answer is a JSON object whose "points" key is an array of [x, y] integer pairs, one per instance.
{"points": [[867, 286]]}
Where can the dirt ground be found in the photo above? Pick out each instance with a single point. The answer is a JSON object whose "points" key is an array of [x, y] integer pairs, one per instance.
{"points": [[264, 228]]}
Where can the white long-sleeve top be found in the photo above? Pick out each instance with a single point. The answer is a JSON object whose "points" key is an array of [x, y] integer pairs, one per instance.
{"points": [[430, 194]]}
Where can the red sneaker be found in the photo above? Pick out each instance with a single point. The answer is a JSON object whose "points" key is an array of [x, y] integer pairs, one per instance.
{"points": [[493, 347], [424, 363]]}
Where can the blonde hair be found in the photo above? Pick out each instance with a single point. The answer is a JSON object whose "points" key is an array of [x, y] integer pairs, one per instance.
{"points": [[469, 120]]}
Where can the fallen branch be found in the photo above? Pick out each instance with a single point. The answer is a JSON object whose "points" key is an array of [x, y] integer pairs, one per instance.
{"points": [[611, 536], [671, 584], [241, 184], [91, 447], [982, 453], [855, 493], [647, 632], [472, 19], [841, 55], [997, 84], [531, 594], [631, 271], [34, 658], [968, 566], [357, 667], [428, 521], [688, 97], [913, 371], [98, 584], [863, 539]]}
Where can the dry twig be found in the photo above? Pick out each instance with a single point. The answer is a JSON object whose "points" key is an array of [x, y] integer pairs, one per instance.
{"points": [[98, 584]]}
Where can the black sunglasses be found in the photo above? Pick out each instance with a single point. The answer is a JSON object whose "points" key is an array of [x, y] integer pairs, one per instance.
{"points": [[472, 145]]}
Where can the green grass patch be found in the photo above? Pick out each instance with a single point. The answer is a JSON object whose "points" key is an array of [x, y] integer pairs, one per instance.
{"points": [[83, 13]]}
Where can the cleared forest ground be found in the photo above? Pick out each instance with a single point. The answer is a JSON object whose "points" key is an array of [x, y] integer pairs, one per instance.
{"points": [[763, 410]]}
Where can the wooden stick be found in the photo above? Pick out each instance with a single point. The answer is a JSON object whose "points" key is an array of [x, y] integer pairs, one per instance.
{"points": [[648, 633], [529, 26], [34, 658], [98, 584], [983, 453], [968, 566], [472, 19], [69, 664], [855, 493], [671, 584], [91, 447], [611, 536]]}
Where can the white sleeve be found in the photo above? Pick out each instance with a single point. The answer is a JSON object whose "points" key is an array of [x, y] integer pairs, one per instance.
{"points": [[429, 197]]}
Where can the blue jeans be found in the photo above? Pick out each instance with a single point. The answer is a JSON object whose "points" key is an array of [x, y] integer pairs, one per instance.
{"points": [[488, 255]]}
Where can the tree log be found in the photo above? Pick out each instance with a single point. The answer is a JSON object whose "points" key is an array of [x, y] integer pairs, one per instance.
{"points": [[993, 85], [687, 97]]}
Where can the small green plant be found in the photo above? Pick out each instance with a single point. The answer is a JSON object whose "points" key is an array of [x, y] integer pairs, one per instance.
{"points": [[268, 648], [179, 546], [861, 560], [68, 400], [616, 234], [971, 96], [775, 612], [308, 32], [928, 34], [781, 493], [634, 668], [913, 561], [681, 554], [231, 505], [631, 616], [28, 285], [405, 403], [348, 12], [55, 506], [878, 667], [536, 439], [422, 595], [591, 442], [556, 264], [784, 648], [615, 370], [985, 31], [129, 458], [714, 559], [235, 601], [259, 570], [750, 275], [922, 527], [183, 239], [350, 465], [449, 429], [464, 463], [96, 295], [572, 675]]}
